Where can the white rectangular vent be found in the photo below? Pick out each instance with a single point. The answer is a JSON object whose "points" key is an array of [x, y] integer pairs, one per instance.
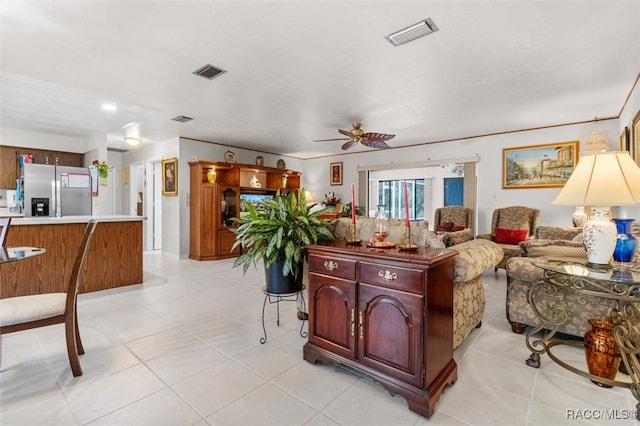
{"points": [[182, 119], [209, 71], [412, 32]]}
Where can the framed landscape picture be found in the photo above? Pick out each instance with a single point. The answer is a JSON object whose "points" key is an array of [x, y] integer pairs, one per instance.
{"points": [[170, 176], [335, 173], [539, 166]]}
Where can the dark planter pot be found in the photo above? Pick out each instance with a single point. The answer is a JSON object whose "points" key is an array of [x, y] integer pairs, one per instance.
{"points": [[277, 283]]}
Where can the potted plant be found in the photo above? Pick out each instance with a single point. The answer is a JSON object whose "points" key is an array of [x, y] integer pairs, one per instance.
{"points": [[277, 236], [103, 171]]}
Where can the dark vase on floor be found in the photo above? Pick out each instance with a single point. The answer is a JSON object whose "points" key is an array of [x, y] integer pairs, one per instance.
{"points": [[601, 351], [277, 283], [626, 243]]}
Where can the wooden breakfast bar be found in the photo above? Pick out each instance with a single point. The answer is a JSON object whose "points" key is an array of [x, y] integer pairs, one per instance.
{"points": [[114, 258]]}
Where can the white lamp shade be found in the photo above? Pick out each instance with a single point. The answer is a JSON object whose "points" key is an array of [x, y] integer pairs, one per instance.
{"points": [[602, 179]]}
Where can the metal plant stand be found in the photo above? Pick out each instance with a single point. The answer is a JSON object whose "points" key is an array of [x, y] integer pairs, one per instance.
{"points": [[274, 298]]}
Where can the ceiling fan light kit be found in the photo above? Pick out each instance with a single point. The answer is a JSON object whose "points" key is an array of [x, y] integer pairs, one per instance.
{"points": [[412, 32]]}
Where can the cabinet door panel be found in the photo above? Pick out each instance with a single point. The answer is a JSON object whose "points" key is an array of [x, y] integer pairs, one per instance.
{"points": [[390, 335], [8, 167], [332, 314]]}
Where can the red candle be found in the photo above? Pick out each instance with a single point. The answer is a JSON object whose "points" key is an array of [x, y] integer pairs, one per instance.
{"points": [[353, 203], [406, 204]]}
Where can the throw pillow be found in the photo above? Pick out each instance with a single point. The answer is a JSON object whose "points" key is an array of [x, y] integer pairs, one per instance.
{"points": [[510, 236], [458, 237], [458, 228], [445, 227]]}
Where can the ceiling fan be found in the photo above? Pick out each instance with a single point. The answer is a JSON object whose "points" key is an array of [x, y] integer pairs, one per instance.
{"points": [[357, 135]]}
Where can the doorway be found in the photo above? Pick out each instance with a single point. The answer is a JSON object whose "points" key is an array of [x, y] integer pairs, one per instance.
{"points": [[453, 191]]}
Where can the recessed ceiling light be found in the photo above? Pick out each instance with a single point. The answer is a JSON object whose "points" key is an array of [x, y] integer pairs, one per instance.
{"points": [[412, 32], [109, 107], [132, 141]]}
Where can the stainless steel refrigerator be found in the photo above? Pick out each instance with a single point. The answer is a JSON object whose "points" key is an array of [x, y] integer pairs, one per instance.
{"points": [[50, 190]]}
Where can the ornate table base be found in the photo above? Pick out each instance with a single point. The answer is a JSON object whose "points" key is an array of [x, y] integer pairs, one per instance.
{"points": [[547, 299]]}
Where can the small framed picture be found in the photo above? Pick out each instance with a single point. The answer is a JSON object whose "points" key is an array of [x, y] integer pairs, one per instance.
{"points": [[170, 176], [635, 142], [335, 173], [624, 139]]}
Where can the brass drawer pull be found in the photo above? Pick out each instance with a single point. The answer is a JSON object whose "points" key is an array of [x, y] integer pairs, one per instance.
{"points": [[330, 265], [353, 322], [360, 325], [388, 276]]}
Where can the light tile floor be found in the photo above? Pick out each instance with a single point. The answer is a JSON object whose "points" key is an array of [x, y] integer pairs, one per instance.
{"points": [[183, 348]]}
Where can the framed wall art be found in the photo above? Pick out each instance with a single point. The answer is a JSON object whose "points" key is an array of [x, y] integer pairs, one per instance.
{"points": [[170, 176], [335, 173], [624, 139], [539, 166], [635, 141]]}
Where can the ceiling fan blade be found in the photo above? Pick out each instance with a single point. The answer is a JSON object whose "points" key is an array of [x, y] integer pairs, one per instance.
{"points": [[374, 137], [327, 140], [348, 145], [375, 144], [346, 133]]}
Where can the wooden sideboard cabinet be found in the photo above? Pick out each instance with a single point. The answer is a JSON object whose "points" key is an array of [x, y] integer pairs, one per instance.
{"points": [[386, 314], [213, 205]]}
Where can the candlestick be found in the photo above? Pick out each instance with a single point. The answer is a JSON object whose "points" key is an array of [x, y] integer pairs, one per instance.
{"points": [[406, 204], [407, 246], [353, 203]]}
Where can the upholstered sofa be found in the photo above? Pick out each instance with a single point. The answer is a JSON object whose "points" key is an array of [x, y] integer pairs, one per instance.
{"points": [[521, 274], [474, 257]]}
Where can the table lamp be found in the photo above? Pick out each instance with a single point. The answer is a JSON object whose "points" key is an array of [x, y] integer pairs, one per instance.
{"points": [[600, 181]]}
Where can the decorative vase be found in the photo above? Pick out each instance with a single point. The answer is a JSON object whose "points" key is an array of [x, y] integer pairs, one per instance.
{"points": [[211, 176], [599, 237], [601, 351], [259, 161], [103, 177], [381, 224], [626, 243], [579, 217]]}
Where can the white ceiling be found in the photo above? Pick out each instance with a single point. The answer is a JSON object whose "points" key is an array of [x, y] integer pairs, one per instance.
{"points": [[299, 70]]}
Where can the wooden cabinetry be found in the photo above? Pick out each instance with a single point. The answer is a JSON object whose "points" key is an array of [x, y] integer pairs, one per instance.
{"points": [[10, 161], [214, 204], [387, 314]]}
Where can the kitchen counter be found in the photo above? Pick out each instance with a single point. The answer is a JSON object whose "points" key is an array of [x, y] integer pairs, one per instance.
{"points": [[114, 258], [42, 220]]}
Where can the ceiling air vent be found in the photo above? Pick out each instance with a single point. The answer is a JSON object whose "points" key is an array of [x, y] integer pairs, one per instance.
{"points": [[182, 119], [412, 32], [208, 71]]}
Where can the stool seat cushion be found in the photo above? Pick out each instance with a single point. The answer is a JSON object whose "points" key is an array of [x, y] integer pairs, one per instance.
{"points": [[16, 310]]}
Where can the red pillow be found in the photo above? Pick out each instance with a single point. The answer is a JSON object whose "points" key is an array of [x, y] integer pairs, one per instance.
{"points": [[458, 228], [445, 227], [510, 236]]}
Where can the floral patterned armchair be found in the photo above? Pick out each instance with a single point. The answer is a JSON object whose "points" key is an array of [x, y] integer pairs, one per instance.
{"points": [[510, 226], [457, 216]]}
